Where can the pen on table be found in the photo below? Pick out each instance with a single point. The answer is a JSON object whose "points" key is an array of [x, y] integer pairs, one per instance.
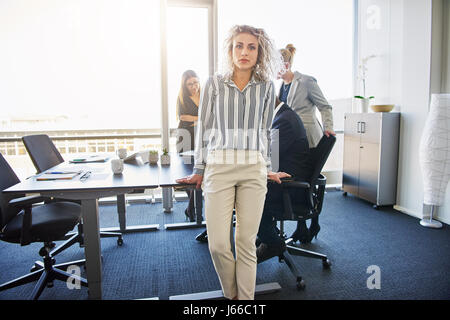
{"points": [[85, 176], [61, 172]]}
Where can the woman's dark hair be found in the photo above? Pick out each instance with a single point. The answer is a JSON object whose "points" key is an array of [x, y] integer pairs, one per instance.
{"points": [[184, 91]]}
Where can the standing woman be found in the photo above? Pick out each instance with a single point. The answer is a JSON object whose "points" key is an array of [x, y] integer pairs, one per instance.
{"points": [[187, 110], [232, 157], [187, 114], [302, 93]]}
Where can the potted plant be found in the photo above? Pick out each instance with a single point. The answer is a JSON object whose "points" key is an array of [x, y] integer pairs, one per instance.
{"points": [[153, 157], [165, 157], [364, 100]]}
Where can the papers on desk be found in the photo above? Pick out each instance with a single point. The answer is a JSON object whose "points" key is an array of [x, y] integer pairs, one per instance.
{"points": [[60, 175], [143, 154], [131, 157], [94, 158]]}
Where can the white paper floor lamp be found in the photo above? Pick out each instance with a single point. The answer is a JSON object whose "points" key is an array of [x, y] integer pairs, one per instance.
{"points": [[435, 155]]}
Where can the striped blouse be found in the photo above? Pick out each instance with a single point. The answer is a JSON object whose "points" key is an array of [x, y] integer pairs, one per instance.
{"points": [[233, 119]]}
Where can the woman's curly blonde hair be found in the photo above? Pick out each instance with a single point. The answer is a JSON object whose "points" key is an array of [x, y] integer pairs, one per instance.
{"points": [[269, 61]]}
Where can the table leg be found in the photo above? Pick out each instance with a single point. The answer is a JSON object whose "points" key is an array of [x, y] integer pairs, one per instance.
{"points": [[167, 199], [198, 208], [198, 205], [121, 211], [123, 228], [92, 248]]}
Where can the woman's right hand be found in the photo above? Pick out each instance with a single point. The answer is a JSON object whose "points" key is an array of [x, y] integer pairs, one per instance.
{"points": [[196, 179]]}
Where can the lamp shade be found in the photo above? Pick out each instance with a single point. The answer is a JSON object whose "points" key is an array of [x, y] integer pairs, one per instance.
{"points": [[434, 152]]}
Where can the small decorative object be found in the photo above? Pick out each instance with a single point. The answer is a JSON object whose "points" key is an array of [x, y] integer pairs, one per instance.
{"points": [[117, 166], [122, 153], [153, 157], [165, 158], [382, 107], [434, 156], [364, 101]]}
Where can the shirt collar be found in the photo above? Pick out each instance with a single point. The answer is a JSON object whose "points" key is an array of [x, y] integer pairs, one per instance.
{"points": [[277, 109], [230, 82]]}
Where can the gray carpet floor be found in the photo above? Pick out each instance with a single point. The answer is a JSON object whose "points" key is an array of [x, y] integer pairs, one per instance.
{"points": [[413, 261]]}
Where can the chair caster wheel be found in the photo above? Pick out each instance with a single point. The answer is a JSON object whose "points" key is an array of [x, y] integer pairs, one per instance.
{"points": [[120, 242], [375, 207], [344, 194], [301, 285], [326, 264]]}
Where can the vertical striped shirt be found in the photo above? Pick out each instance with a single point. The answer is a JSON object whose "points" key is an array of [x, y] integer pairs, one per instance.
{"points": [[231, 119]]}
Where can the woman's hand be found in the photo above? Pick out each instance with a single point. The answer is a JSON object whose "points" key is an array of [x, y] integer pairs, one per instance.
{"points": [[196, 179], [329, 132], [276, 176]]}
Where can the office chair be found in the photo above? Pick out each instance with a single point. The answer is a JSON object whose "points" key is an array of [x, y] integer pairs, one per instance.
{"points": [[314, 191], [45, 155], [20, 223]]}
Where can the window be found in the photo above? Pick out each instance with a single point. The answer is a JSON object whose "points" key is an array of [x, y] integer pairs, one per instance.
{"points": [[80, 64], [187, 49]]}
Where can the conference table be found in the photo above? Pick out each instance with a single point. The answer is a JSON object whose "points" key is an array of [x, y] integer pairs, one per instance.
{"points": [[102, 183]]}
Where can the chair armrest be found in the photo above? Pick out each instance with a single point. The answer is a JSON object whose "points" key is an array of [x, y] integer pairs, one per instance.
{"points": [[321, 180], [295, 184], [25, 236], [26, 201], [50, 200]]}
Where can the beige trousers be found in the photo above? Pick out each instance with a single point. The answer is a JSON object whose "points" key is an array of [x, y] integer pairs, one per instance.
{"points": [[234, 179]]}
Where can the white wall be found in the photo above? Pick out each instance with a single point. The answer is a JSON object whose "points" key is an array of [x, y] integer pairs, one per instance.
{"points": [[399, 33]]}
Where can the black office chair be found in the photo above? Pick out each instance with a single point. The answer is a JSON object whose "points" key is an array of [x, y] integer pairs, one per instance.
{"points": [[313, 192], [45, 155], [24, 224]]}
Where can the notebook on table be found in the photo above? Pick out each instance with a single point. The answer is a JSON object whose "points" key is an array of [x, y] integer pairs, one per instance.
{"points": [[94, 158], [61, 175]]}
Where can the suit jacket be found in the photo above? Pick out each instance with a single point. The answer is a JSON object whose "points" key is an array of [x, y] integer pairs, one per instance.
{"points": [[289, 141], [304, 96]]}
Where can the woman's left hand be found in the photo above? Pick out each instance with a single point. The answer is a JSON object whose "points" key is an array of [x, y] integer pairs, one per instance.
{"points": [[276, 176], [329, 132]]}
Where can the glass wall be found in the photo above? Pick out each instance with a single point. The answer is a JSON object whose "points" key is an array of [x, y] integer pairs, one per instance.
{"points": [[187, 49], [80, 68], [94, 65], [80, 64]]}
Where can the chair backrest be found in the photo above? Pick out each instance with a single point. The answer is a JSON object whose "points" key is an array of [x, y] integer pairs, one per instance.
{"points": [[319, 155], [42, 151], [309, 203], [7, 179]]}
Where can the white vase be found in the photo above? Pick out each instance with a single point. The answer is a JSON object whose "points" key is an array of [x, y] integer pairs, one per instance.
{"points": [[165, 159], [360, 105], [434, 151], [365, 105]]}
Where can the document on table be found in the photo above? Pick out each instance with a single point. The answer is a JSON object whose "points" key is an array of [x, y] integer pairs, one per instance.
{"points": [[94, 158], [57, 175]]}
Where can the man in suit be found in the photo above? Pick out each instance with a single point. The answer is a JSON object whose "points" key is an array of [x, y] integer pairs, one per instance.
{"points": [[290, 146]]}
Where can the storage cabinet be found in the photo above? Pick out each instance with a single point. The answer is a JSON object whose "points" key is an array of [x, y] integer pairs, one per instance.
{"points": [[371, 156]]}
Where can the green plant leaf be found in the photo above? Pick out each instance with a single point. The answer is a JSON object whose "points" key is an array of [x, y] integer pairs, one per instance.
{"points": [[359, 97]]}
